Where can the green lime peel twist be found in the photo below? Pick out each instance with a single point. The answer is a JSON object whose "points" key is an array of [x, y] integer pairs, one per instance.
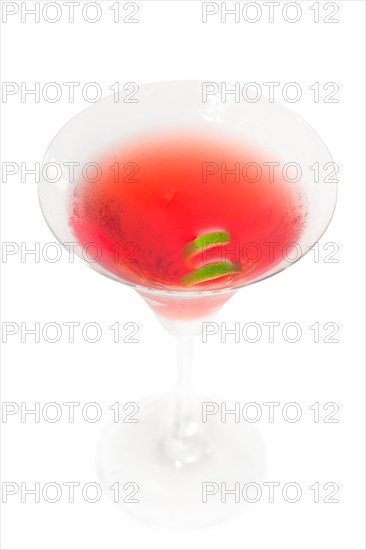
{"points": [[213, 270]]}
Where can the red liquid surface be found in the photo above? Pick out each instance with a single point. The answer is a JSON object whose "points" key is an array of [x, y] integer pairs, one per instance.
{"points": [[157, 195]]}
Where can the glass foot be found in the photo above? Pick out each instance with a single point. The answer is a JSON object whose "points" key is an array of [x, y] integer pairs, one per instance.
{"points": [[179, 480]]}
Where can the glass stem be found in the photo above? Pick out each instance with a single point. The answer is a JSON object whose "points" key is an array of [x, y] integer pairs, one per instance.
{"points": [[183, 407]]}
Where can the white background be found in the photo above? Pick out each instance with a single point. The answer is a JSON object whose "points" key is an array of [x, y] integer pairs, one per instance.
{"points": [[171, 42]]}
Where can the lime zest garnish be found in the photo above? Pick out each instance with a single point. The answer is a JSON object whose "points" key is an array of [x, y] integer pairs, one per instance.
{"points": [[215, 237], [209, 272]]}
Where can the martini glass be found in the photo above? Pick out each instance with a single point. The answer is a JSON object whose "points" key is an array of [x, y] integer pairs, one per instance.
{"points": [[185, 197]]}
